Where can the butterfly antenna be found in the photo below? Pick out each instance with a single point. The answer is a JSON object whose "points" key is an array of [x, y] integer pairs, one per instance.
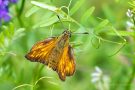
{"points": [[61, 21], [82, 33]]}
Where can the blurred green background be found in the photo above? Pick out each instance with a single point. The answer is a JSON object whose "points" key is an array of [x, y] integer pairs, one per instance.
{"points": [[109, 46]]}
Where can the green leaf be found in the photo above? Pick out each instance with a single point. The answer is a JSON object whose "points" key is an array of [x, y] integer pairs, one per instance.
{"points": [[31, 11], [87, 14], [18, 33], [45, 6], [108, 13], [76, 6], [50, 21], [47, 22], [132, 4], [101, 25], [95, 42], [122, 33]]}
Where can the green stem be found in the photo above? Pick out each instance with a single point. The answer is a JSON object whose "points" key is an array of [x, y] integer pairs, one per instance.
{"points": [[21, 8], [36, 74], [20, 13], [20, 21], [129, 83]]}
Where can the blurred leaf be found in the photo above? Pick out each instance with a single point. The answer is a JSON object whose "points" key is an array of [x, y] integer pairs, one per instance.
{"points": [[87, 14], [18, 33], [95, 42], [56, 10], [49, 21], [76, 6], [31, 11], [101, 25], [122, 33], [108, 13], [132, 4], [7, 36], [45, 6]]}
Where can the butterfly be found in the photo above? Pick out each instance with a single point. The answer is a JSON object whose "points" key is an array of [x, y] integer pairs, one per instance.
{"points": [[55, 52]]}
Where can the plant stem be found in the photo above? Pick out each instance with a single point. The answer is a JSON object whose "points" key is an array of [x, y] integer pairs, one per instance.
{"points": [[20, 13], [128, 86], [21, 8], [20, 21]]}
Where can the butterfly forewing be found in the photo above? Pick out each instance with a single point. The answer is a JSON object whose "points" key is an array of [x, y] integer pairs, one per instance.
{"points": [[41, 50]]}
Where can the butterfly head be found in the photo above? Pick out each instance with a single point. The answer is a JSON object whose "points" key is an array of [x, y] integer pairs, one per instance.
{"points": [[67, 33]]}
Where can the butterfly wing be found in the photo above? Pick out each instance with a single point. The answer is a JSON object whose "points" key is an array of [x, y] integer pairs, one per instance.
{"points": [[66, 65], [40, 51]]}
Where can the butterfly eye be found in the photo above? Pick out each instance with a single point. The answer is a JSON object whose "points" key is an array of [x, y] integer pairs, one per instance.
{"points": [[65, 32], [68, 33]]}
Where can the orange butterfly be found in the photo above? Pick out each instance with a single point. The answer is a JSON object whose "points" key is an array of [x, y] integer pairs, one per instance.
{"points": [[56, 53]]}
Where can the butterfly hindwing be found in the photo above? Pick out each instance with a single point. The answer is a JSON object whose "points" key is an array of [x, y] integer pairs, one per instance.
{"points": [[41, 50], [66, 65]]}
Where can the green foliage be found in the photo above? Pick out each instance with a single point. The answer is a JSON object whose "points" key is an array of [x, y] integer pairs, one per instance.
{"points": [[8, 35], [109, 44]]}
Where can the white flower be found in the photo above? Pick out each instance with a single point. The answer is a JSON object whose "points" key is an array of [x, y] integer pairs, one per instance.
{"points": [[96, 75], [129, 24], [129, 13], [100, 80]]}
